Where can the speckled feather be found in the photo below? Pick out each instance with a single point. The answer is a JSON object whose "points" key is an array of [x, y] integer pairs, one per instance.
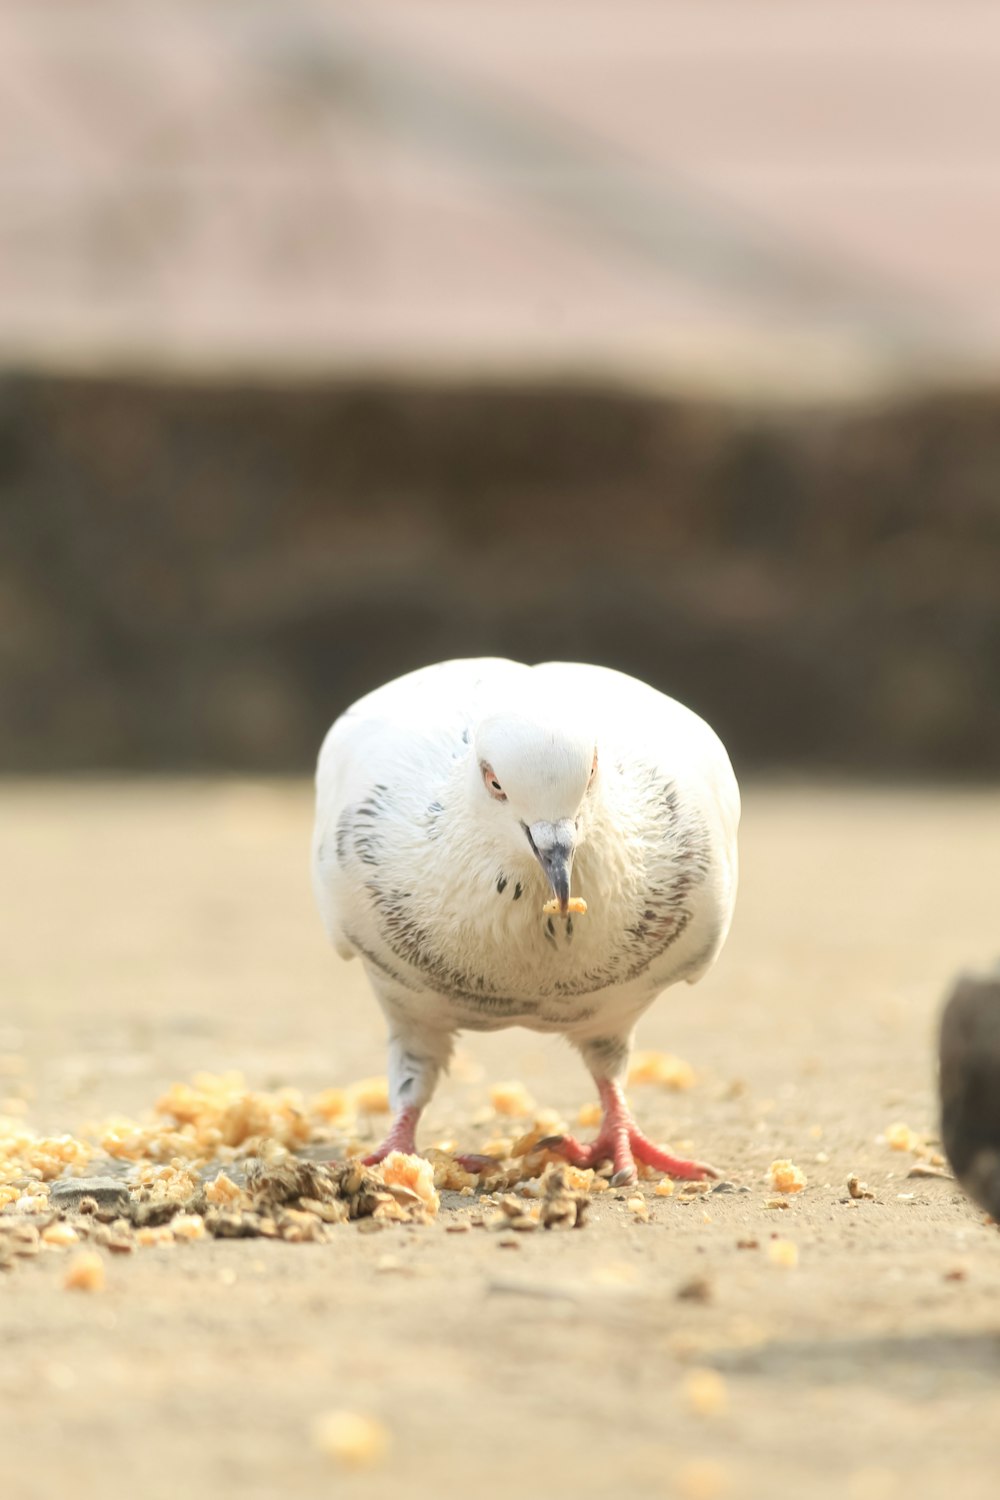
{"points": [[414, 873]]}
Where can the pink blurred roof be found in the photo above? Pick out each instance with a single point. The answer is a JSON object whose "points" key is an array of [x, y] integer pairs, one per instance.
{"points": [[746, 193]]}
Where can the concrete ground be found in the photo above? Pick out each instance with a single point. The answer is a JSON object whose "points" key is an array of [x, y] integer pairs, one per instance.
{"points": [[156, 929]]}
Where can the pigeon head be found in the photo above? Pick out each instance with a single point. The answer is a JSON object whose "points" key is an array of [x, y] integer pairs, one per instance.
{"points": [[534, 776]]}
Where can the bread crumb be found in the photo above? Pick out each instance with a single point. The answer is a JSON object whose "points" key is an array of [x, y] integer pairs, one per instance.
{"points": [[638, 1206], [150, 1234], [663, 1068], [60, 1235], [705, 1392], [664, 1188], [589, 1115], [784, 1253], [450, 1174], [188, 1226], [223, 1192], [371, 1096], [702, 1479], [500, 1146], [354, 1440], [511, 1099], [786, 1177], [575, 906], [413, 1172], [85, 1273], [331, 1104], [901, 1138]]}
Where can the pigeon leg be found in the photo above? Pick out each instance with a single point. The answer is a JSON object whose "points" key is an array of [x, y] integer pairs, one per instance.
{"points": [[621, 1142], [402, 1137], [415, 1063]]}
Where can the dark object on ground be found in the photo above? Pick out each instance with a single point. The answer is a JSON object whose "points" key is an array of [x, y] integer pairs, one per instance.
{"points": [[109, 1194], [970, 1086]]}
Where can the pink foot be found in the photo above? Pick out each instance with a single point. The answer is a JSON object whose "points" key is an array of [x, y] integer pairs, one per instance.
{"points": [[402, 1137], [473, 1162], [621, 1142]]}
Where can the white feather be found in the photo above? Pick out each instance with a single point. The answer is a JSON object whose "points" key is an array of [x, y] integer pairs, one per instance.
{"points": [[433, 881]]}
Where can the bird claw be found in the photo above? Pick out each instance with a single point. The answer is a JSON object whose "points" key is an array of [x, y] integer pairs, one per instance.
{"points": [[476, 1163], [626, 1151]]}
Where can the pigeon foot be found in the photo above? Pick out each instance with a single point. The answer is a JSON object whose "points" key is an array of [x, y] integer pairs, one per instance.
{"points": [[476, 1163], [622, 1143], [624, 1149], [402, 1137]]}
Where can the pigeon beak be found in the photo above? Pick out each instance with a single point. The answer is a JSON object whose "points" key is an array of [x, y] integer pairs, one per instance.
{"points": [[554, 845]]}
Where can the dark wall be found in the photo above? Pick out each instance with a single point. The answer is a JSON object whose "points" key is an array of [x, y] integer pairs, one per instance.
{"points": [[196, 576]]}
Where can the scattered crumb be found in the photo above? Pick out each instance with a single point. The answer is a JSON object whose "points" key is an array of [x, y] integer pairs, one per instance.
{"points": [[576, 906], [858, 1189], [786, 1177], [60, 1235], [589, 1115], [223, 1192], [450, 1175], [188, 1226], [413, 1172], [664, 1188], [901, 1138], [354, 1440], [702, 1479], [694, 1189], [661, 1068], [705, 1392], [783, 1253], [150, 1234], [500, 1146], [371, 1096], [638, 1206], [331, 1104], [85, 1273], [511, 1099]]}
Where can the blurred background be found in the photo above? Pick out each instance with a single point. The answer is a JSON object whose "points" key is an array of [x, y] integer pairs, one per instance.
{"points": [[338, 339]]}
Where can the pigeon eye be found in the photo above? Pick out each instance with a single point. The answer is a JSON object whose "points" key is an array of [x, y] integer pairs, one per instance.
{"points": [[492, 784]]}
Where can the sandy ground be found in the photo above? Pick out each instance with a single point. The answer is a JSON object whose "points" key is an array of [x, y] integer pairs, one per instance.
{"points": [[155, 930]]}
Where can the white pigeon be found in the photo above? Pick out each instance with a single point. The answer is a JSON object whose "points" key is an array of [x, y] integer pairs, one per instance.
{"points": [[506, 845]]}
